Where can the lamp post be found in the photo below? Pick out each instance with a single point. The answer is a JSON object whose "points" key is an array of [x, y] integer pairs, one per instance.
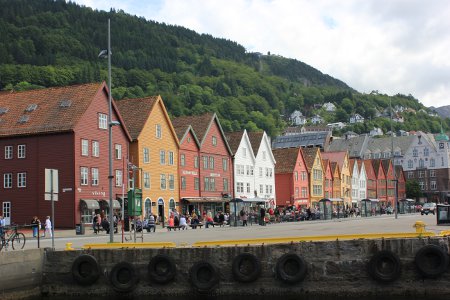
{"points": [[393, 164], [103, 53]]}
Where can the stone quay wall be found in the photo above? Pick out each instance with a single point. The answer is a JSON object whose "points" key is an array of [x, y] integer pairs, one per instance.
{"points": [[334, 268]]}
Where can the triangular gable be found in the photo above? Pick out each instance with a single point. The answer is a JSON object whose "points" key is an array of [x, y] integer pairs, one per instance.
{"points": [[216, 119], [160, 102], [184, 135]]}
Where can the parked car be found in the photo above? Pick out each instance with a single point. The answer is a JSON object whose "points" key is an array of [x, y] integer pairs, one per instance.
{"points": [[427, 208]]}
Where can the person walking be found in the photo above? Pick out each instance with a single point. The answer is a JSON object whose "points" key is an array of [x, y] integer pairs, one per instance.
{"points": [[35, 225], [48, 227]]}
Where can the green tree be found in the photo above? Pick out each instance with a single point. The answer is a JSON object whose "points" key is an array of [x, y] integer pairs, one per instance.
{"points": [[413, 190]]}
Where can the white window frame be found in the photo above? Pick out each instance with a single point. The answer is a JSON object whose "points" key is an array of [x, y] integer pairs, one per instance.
{"points": [[118, 151], [183, 183], [182, 160], [158, 131], [146, 155], [119, 177], [240, 187], [162, 157], [21, 151], [225, 164], [102, 121], [162, 182], [214, 141], [94, 176], [147, 184], [95, 148], [171, 160], [8, 152], [21, 179], [84, 175], [433, 185], [84, 147], [7, 180], [171, 182]]}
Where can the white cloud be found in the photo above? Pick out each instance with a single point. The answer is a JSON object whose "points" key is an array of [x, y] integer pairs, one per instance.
{"points": [[393, 46]]}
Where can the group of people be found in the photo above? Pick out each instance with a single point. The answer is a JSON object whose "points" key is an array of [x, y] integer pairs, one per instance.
{"points": [[36, 225], [101, 222]]}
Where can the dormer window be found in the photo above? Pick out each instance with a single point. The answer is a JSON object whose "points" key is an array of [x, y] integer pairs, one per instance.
{"points": [[3, 110], [31, 107], [24, 119]]}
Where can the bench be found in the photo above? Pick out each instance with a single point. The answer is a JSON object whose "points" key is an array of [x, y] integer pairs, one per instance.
{"points": [[194, 226], [169, 228]]}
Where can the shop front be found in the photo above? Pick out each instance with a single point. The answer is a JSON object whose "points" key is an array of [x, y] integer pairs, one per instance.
{"points": [[88, 208], [202, 205]]}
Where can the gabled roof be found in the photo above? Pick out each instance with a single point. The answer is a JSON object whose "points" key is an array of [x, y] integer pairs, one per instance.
{"points": [[376, 163], [57, 109], [309, 155], [368, 165], [255, 140], [352, 166], [335, 168], [327, 165], [338, 157], [315, 139], [399, 172], [136, 112], [386, 164], [201, 125], [286, 159], [234, 140]]}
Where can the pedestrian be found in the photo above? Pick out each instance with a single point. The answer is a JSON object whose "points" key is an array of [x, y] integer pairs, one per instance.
{"points": [[243, 216], [2, 224], [262, 216], [35, 225], [94, 222], [48, 227]]}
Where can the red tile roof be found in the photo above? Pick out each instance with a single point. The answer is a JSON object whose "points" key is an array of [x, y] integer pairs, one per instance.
{"points": [[286, 159], [309, 155], [255, 140], [135, 113], [234, 140], [49, 116], [338, 157], [200, 124]]}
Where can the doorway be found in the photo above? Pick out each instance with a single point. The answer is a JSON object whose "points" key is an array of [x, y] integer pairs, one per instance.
{"points": [[7, 213], [161, 211]]}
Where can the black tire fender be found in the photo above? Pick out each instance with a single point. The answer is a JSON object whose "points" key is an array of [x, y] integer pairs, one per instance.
{"points": [[162, 269], [203, 276], [85, 269], [384, 266], [246, 267], [291, 268], [431, 261], [124, 277]]}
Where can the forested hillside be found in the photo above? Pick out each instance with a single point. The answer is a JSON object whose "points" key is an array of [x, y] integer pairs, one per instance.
{"points": [[53, 43]]}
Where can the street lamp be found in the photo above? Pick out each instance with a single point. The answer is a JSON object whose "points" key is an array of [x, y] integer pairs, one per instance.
{"points": [[111, 123], [393, 164]]}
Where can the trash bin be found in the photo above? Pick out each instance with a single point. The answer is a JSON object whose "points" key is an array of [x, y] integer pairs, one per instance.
{"points": [[79, 228]]}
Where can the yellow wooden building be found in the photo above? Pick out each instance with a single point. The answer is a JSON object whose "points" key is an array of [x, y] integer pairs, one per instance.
{"points": [[313, 160], [341, 158], [154, 153]]}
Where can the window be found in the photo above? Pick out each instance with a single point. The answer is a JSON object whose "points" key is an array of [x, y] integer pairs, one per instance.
{"points": [[183, 182], [421, 163], [304, 192], [303, 174], [212, 184], [196, 183], [8, 152], [118, 151], [410, 164], [162, 157], [84, 147], [421, 174], [195, 161], [102, 121], [158, 131], [426, 152], [211, 163], [146, 155], [225, 184], [22, 180], [239, 169], [260, 172], [214, 141], [95, 148], [415, 152], [240, 187], [422, 185], [182, 160], [297, 193], [296, 176], [432, 163], [171, 182], [162, 180], [205, 162], [146, 180], [261, 188], [206, 184], [433, 185], [317, 189], [84, 176], [94, 176], [7, 180], [248, 187], [118, 177], [224, 164], [244, 152], [170, 158], [247, 170], [21, 151]]}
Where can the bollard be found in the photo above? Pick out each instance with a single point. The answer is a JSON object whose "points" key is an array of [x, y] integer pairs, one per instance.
{"points": [[420, 226], [69, 247]]}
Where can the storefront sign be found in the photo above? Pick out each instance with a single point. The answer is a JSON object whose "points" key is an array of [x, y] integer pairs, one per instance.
{"points": [[214, 175], [186, 172], [99, 193]]}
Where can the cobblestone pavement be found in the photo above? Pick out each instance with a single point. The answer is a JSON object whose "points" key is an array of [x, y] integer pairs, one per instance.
{"points": [[381, 224]]}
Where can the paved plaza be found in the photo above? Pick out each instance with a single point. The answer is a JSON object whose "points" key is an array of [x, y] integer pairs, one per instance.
{"points": [[381, 224]]}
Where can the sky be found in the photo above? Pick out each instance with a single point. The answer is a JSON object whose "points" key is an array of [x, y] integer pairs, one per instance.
{"points": [[391, 46]]}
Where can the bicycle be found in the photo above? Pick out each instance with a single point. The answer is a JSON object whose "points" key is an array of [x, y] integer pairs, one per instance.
{"points": [[17, 239]]}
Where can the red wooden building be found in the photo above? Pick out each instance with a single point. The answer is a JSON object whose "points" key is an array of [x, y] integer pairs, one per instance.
{"points": [[390, 181], [381, 181], [371, 179], [64, 129], [327, 179], [291, 177], [214, 162], [401, 182]]}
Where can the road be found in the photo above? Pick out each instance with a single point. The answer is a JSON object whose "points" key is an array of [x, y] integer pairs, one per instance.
{"points": [[381, 224]]}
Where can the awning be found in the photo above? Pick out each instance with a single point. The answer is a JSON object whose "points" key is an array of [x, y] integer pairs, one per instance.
{"points": [[90, 203], [206, 199], [255, 200], [336, 200], [116, 203], [374, 200]]}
